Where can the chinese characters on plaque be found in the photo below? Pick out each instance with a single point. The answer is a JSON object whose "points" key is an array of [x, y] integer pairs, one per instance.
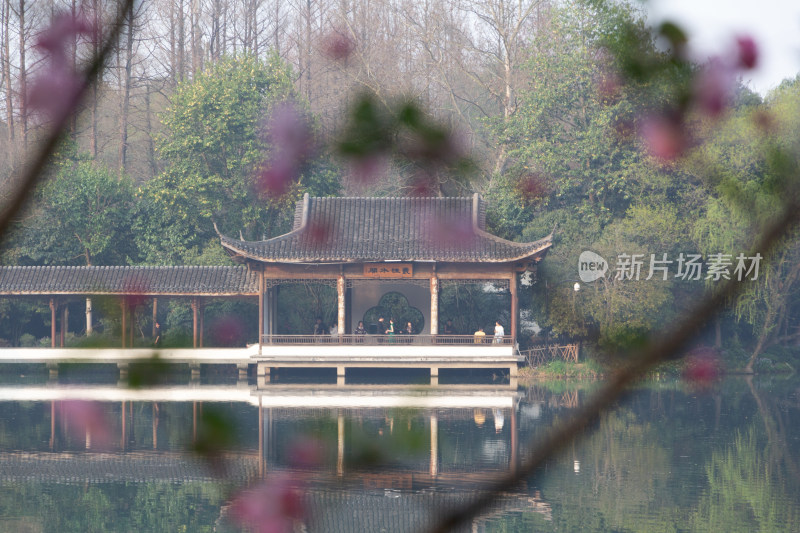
{"points": [[388, 270]]}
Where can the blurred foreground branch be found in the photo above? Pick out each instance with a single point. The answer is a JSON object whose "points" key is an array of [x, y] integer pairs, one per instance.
{"points": [[33, 169]]}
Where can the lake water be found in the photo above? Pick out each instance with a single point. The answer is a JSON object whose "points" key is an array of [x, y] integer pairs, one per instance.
{"points": [[86, 454]]}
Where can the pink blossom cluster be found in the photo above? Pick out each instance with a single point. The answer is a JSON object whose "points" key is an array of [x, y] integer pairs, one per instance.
{"points": [[665, 134], [292, 144], [56, 90]]}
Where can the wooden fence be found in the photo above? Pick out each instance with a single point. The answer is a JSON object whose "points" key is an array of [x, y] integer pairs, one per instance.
{"points": [[538, 355]]}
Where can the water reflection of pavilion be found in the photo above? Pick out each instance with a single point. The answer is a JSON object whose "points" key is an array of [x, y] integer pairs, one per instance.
{"points": [[364, 495]]}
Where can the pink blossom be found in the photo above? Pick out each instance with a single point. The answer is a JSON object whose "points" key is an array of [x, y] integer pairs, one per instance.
{"points": [[271, 507], [277, 179], [337, 46], [135, 292], [317, 232], [86, 420], [292, 143], [57, 38], [703, 368], [290, 133], [747, 52], [227, 331], [368, 168], [450, 231], [55, 92], [306, 452], [712, 87], [664, 136]]}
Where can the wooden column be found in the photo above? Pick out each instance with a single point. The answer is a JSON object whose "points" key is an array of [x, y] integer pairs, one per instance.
{"points": [[194, 322], [89, 329], [64, 319], [340, 288], [273, 309], [53, 307], [260, 309], [155, 316], [124, 306], [202, 315], [434, 304], [512, 285]]}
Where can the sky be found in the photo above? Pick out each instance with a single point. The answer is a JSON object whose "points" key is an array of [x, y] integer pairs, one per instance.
{"points": [[713, 24]]}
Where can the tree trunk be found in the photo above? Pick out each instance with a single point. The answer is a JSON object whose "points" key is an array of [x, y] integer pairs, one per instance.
{"points": [[151, 149], [23, 75], [6, 16], [95, 93], [126, 95], [181, 43]]}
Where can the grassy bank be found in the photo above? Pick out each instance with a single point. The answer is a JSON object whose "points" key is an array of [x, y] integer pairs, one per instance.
{"points": [[563, 369]]}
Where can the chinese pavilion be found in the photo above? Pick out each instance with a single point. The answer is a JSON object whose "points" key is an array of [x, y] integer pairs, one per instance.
{"points": [[368, 247]]}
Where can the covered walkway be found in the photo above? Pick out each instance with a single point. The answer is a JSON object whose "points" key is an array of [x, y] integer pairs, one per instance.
{"points": [[133, 285]]}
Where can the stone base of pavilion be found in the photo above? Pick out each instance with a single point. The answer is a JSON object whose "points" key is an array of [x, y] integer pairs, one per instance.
{"points": [[124, 357], [388, 356]]}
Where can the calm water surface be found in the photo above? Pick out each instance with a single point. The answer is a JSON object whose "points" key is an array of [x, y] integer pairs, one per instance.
{"points": [[384, 457]]}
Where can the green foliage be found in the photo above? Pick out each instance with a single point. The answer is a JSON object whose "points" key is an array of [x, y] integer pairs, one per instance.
{"points": [[82, 215], [473, 306], [214, 146]]}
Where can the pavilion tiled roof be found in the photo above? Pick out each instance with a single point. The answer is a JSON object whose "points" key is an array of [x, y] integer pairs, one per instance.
{"points": [[144, 280], [340, 230]]}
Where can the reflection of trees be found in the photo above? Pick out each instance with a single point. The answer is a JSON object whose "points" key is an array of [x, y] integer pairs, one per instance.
{"points": [[746, 492], [775, 425], [627, 466], [159, 506]]}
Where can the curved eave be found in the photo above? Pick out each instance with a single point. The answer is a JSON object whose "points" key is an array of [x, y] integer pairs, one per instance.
{"points": [[244, 250]]}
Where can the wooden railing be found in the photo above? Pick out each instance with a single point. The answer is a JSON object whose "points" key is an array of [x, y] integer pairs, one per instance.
{"points": [[413, 340], [539, 355]]}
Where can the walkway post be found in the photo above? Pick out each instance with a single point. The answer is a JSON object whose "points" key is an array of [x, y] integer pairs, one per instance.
{"points": [[434, 303], [64, 320], [340, 287], [89, 330], [124, 306], [52, 322], [202, 312], [260, 310], [194, 322], [512, 285]]}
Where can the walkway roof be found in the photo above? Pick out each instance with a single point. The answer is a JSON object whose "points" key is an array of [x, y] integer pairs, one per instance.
{"points": [[129, 280]]}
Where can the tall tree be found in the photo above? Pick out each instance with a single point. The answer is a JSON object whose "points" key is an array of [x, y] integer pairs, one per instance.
{"points": [[214, 145]]}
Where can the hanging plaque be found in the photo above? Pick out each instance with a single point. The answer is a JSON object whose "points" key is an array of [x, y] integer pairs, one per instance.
{"points": [[388, 270]]}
